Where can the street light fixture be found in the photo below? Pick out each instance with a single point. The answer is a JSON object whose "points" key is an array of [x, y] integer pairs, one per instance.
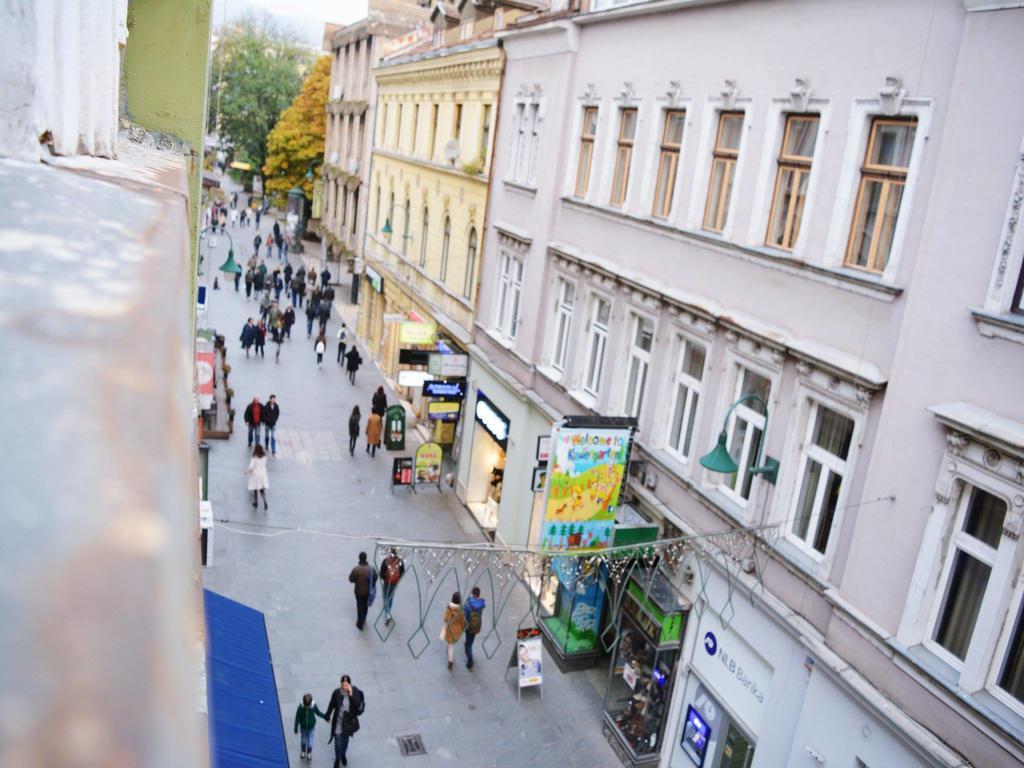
{"points": [[718, 459]]}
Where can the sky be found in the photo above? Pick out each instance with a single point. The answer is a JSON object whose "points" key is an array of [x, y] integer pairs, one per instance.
{"points": [[306, 16]]}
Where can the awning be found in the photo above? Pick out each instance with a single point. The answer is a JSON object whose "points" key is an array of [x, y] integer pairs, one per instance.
{"points": [[245, 718]]}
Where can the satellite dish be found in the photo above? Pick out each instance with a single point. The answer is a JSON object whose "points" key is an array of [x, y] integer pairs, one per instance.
{"points": [[451, 150]]}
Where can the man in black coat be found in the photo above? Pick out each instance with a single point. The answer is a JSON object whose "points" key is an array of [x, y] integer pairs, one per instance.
{"points": [[325, 278], [347, 704], [268, 416]]}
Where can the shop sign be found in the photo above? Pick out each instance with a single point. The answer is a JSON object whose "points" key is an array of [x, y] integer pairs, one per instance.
{"points": [[410, 332], [540, 476], [393, 317], [448, 366], [401, 471], [427, 466], [451, 390], [733, 669], [376, 281], [543, 448], [204, 377], [413, 357], [407, 378], [530, 661], [585, 474], [443, 410], [394, 428], [491, 419]]}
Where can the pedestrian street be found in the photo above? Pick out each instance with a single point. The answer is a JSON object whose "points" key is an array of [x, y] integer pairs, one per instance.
{"points": [[300, 579]]}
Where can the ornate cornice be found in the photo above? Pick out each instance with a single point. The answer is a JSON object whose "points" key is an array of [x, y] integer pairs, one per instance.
{"points": [[441, 73]]}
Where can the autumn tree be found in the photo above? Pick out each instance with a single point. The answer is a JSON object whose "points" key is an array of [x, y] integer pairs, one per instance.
{"points": [[258, 68], [298, 138]]}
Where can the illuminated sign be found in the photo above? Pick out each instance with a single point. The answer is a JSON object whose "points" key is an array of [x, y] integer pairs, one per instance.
{"points": [[696, 735], [416, 333], [491, 419], [448, 366], [453, 390], [408, 378], [443, 410]]}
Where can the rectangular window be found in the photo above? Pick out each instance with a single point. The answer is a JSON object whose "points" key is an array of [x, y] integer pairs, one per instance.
{"points": [[532, 143], [597, 346], [746, 433], [519, 151], [623, 155], [639, 365], [686, 397], [968, 567], [485, 135], [791, 180], [510, 292], [723, 170], [588, 133], [668, 162], [1011, 674], [882, 180], [564, 301], [822, 469]]}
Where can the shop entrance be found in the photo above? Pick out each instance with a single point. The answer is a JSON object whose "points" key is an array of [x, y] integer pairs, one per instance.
{"points": [[486, 474]]}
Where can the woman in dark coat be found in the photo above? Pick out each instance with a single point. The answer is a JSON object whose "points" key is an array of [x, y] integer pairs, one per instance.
{"points": [[380, 402], [353, 431], [352, 361]]}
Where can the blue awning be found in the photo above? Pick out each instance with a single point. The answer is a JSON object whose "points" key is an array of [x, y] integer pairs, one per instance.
{"points": [[244, 714]]}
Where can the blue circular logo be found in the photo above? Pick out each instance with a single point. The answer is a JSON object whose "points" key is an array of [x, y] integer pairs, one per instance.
{"points": [[710, 643]]}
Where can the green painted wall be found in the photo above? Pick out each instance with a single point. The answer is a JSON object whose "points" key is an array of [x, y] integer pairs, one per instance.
{"points": [[166, 71]]}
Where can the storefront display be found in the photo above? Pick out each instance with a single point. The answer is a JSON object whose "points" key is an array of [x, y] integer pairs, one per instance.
{"points": [[571, 610], [487, 464], [651, 624]]}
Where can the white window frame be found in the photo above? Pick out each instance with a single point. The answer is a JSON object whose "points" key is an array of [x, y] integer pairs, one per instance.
{"points": [[518, 138], [1009, 264], [563, 332], [755, 420], [996, 668], [526, 117], [694, 389], [642, 358], [510, 294], [830, 463], [862, 114], [600, 333]]}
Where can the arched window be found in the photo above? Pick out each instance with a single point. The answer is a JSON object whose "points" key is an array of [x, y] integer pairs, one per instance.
{"points": [[405, 228], [424, 236], [391, 209], [444, 247], [467, 288], [376, 226]]}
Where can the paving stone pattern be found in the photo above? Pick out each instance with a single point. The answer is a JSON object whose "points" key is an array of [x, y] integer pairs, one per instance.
{"points": [[299, 579]]}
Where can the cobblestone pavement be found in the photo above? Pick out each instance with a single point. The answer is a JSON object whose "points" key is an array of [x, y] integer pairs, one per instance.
{"points": [[299, 579]]}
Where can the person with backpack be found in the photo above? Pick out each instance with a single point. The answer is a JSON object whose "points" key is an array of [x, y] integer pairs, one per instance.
{"points": [[305, 720], [346, 705], [391, 572], [342, 337], [364, 580], [474, 622]]}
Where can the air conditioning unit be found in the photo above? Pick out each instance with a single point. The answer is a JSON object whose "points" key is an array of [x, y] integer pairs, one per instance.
{"points": [[334, 158], [336, 93]]}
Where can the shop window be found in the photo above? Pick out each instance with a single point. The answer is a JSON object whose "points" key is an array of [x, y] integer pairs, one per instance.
{"points": [[745, 433], [972, 554], [650, 625], [723, 170], [564, 302], [686, 397], [791, 180], [510, 291], [883, 178], [597, 346], [639, 364], [823, 464]]}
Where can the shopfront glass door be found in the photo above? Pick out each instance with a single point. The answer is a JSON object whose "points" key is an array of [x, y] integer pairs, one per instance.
{"points": [[737, 751]]}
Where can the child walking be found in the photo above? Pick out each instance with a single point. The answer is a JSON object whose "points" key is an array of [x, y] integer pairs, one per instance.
{"points": [[305, 722]]}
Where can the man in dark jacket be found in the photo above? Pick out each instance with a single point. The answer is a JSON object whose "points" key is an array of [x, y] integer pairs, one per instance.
{"points": [[248, 337], [474, 622], [364, 578], [311, 311], [287, 321], [270, 413], [253, 415], [347, 704], [325, 278]]}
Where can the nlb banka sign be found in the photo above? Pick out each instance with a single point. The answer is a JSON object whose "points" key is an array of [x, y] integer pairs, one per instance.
{"points": [[736, 672]]}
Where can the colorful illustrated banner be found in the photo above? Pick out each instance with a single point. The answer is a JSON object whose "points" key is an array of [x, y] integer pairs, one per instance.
{"points": [[585, 474]]}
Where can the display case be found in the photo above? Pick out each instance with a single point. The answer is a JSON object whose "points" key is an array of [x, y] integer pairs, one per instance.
{"points": [[571, 606], [650, 623]]}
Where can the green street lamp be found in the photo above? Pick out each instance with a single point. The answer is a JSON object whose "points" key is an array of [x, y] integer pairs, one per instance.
{"points": [[230, 266], [386, 229], [718, 459]]}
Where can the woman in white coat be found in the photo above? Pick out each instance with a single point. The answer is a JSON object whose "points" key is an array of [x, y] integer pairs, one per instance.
{"points": [[259, 480]]}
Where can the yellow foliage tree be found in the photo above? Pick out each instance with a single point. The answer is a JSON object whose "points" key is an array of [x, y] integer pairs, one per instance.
{"points": [[298, 137]]}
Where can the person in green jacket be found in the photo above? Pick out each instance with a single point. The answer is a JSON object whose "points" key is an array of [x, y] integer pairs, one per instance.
{"points": [[305, 722]]}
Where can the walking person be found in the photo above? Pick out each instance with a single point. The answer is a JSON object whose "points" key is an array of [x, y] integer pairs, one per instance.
{"points": [[269, 415], [277, 334], [253, 418], [305, 721], [320, 346], [474, 622], [325, 315], [346, 705], [379, 402], [325, 277], [391, 572], [310, 317], [342, 337], [259, 480], [248, 336], [278, 285], [364, 578], [261, 339], [454, 626], [374, 428], [250, 274], [238, 279], [353, 430], [265, 303], [256, 242], [352, 361], [287, 321]]}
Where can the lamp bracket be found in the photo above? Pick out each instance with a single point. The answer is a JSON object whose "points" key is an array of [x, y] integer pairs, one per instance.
{"points": [[770, 470]]}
